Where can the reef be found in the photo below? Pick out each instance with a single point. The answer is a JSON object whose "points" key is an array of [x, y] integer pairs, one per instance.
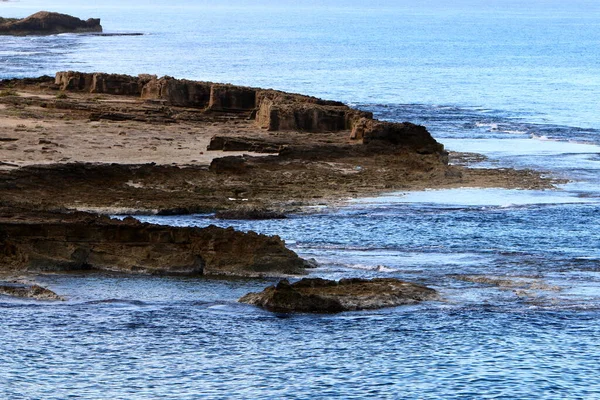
{"points": [[316, 295], [48, 23]]}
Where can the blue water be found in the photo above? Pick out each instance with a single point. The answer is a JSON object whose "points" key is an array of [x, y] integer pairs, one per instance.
{"points": [[516, 81]]}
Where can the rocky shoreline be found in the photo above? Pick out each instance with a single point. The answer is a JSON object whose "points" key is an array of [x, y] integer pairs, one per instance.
{"points": [[118, 144]]}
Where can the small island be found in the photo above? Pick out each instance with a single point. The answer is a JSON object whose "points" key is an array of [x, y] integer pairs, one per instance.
{"points": [[48, 23]]}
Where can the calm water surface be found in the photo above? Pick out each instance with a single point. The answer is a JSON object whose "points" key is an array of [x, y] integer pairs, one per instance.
{"points": [[515, 81]]}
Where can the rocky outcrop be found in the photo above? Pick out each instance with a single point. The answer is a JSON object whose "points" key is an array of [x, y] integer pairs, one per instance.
{"points": [[271, 110], [230, 98], [48, 23], [29, 291], [102, 83], [59, 242], [404, 134], [315, 295], [177, 92], [277, 111]]}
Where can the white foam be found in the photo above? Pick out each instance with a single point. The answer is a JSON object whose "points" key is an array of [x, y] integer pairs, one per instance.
{"points": [[519, 146], [377, 268], [477, 197]]}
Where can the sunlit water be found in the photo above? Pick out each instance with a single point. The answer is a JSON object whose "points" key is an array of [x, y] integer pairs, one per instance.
{"points": [[515, 81]]}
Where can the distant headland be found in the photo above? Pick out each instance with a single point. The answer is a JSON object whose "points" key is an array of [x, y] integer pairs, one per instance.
{"points": [[48, 23]]}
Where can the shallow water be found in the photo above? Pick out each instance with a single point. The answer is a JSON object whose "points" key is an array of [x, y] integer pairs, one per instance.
{"points": [[519, 271]]}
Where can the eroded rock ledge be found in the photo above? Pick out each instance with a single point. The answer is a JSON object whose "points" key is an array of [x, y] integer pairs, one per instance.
{"points": [[316, 295], [47, 23], [76, 241], [270, 109]]}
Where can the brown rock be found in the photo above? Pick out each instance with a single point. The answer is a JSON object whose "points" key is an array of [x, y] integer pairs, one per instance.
{"points": [[48, 23], [229, 143], [317, 295], [230, 98], [281, 112], [74, 81], [229, 165], [183, 93], [405, 134], [23, 290], [116, 84], [46, 241]]}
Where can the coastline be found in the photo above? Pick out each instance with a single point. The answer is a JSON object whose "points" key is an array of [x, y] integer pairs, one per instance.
{"points": [[82, 145], [64, 148]]}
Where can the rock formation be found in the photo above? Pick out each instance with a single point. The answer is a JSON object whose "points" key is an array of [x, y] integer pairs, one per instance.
{"points": [[404, 134], [48, 23], [315, 295], [271, 109], [59, 242], [29, 291]]}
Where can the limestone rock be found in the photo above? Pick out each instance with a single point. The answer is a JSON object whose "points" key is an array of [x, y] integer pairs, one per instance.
{"points": [[59, 242], [177, 92], [101, 83], [284, 112], [231, 98], [404, 134], [315, 295], [48, 23], [271, 109]]}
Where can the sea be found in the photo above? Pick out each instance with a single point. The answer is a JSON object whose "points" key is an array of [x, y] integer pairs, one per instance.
{"points": [[518, 270]]}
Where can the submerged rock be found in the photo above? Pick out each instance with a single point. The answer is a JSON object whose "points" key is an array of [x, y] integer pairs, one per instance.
{"points": [[29, 291], [249, 214], [48, 23], [315, 295]]}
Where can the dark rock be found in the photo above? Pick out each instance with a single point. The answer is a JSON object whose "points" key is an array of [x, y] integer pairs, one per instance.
{"points": [[60, 242], [415, 137], [316, 295], [231, 98], [177, 92], [281, 112], [227, 143], [229, 165], [48, 23], [117, 84], [74, 81], [111, 116], [23, 290], [249, 214], [41, 81]]}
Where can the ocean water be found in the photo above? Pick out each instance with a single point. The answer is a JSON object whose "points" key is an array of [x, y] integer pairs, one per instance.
{"points": [[516, 81]]}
